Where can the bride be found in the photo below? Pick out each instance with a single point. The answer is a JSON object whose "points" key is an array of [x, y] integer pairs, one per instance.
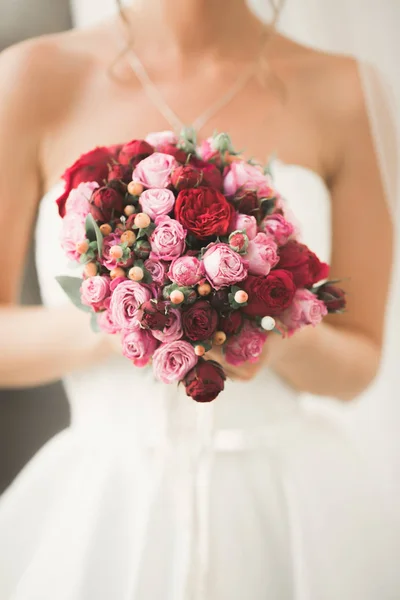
{"points": [[148, 496]]}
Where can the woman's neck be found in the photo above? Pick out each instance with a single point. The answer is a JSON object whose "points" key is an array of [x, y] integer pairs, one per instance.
{"points": [[188, 27]]}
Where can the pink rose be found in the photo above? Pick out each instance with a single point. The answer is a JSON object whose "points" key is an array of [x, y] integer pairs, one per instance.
{"points": [[245, 223], [173, 328], [73, 232], [94, 291], [139, 346], [155, 170], [306, 309], [262, 254], [157, 270], [207, 150], [223, 266], [171, 361], [78, 199], [126, 300], [158, 139], [246, 345], [109, 261], [157, 202], [167, 240], [242, 176], [186, 271], [105, 322], [278, 227]]}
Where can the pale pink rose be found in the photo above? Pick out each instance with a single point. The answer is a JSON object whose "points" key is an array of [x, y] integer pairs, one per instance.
{"points": [[78, 199], [246, 346], [106, 259], [155, 170], [278, 227], [186, 271], [242, 176], [105, 322], [167, 240], [265, 190], [157, 202], [158, 270], [306, 309], [245, 223], [94, 291], [207, 150], [73, 232], [223, 266], [173, 328], [171, 361], [139, 346], [262, 254], [158, 139], [126, 300]]}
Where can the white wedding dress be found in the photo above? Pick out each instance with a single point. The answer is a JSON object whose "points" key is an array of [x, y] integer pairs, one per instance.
{"points": [[150, 496]]}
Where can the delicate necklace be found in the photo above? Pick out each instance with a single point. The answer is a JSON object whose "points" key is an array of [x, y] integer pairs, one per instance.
{"points": [[170, 115]]}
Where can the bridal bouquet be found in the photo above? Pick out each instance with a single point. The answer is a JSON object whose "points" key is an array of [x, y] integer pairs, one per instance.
{"points": [[185, 247]]}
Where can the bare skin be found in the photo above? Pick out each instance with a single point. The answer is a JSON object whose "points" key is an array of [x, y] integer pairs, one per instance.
{"points": [[59, 100]]}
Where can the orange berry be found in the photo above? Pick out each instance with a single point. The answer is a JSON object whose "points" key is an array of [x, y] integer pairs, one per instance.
{"points": [[90, 269], [128, 237], [117, 272], [199, 350], [82, 247], [219, 338], [204, 289], [241, 297], [142, 220], [129, 210], [116, 252], [135, 188], [105, 229], [177, 297], [136, 274]]}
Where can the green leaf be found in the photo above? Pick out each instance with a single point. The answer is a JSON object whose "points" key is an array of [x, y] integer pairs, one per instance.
{"points": [[72, 287], [93, 232]]}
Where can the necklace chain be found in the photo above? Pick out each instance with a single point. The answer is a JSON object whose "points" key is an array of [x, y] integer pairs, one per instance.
{"points": [[199, 122]]}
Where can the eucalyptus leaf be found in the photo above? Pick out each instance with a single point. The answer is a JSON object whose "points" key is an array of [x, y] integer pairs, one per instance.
{"points": [[72, 287], [93, 232]]}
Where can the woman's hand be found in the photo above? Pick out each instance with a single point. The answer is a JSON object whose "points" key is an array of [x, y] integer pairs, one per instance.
{"points": [[244, 372]]}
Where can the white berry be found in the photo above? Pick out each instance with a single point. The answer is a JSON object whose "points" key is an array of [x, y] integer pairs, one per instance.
{"points": [[268, 323]]}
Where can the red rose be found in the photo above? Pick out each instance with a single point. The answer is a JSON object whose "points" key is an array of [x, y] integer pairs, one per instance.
{"points": [[154, 315], [212, 176], [177, 153], [205, 381], [134, 151], [269, 295], [220, 300], [185, 177], [199, 321], [204, 212], [106, 202], [230, 324], [247, 203], [120, 172], [304, 265], [333, 297], [92, 166]]}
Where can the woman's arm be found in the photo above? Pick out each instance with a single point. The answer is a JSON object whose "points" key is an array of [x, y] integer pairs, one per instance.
{"points": [[341, 357], [37, 345]]}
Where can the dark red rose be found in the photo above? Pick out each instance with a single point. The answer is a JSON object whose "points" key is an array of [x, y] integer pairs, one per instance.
{"points": [[120, 172], [333, 297], [105, 203], [247, 203], [205, 381], [92, 166], [231, 323], [134, 151], [204, 212], [269, 295], [154, 315], [212, 176], [304, 265], [199, 321], [177, 153], [220, 300], [185, 177]]}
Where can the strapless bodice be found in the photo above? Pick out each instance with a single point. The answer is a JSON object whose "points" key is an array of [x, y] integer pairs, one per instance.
{"points": [[114, 396]]}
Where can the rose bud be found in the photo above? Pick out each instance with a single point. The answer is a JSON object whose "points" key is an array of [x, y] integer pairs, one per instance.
{"points": [[220, 301], [129, 210], [211, 175], [136, 274], [132, 152], [142, 249], [154, 315], [117, 272], [239, 241], [333, 297], [105, 229], [205, 381], [128, 237], [231, 323], [135, 188], [142, 220], [186, 176], [120, 172], [247, 203], [105, 202], [90, 269]]}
